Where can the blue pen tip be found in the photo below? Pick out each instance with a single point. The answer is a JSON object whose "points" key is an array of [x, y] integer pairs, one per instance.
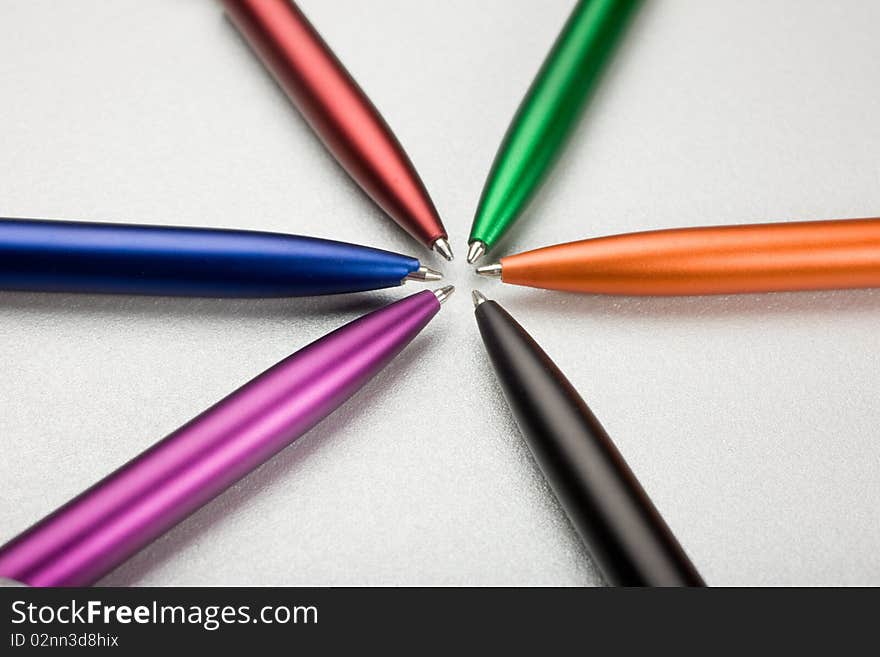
{"points": [[424, 274]]}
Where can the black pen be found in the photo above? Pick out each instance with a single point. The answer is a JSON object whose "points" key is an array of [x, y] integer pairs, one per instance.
{"points": [[624, 532]]}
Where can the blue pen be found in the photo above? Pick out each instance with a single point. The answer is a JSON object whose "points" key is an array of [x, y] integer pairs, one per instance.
{"points": [[68, 256]]}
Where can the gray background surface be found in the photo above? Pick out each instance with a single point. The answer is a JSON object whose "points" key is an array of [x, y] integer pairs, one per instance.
{"points": [[752, 421]]}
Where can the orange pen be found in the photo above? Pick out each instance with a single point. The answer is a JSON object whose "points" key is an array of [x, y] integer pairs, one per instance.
{"points": [[806, 255]]}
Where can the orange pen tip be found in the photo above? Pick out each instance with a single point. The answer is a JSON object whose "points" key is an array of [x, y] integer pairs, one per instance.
{"points": [[490, 271]]}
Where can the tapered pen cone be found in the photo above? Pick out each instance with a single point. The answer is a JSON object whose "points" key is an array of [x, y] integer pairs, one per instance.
{"points": [[476, 250], [441, 246], [490, 271], [424, 274], [444, 293], [478, 298]]}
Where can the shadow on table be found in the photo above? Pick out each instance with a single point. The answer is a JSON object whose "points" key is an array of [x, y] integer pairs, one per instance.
{"points": [[524, 302], [183, 307]]}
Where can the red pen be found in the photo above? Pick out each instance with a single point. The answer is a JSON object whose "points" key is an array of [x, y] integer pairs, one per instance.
{"points": [[340, 113]]}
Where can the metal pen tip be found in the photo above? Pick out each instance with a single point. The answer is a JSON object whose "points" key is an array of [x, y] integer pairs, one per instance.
{"points": [[441, 246], [478, 297], [444, 293], [424, 274], [490, 271], [476, 250]]}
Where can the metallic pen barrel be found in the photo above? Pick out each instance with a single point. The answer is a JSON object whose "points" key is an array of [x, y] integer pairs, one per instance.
{"points": [[777, 257], [547, 116], [339, 112], [621, 528], [99, 529], [67, 256]]}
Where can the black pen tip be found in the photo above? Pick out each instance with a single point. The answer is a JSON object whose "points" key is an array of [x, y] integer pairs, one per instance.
{"points": [[478, 298]]}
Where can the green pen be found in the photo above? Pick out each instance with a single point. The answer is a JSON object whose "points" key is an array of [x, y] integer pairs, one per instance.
{"points": [[547, 116]]}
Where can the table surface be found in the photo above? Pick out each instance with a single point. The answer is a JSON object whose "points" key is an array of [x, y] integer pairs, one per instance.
{"points": [[751, 421]]}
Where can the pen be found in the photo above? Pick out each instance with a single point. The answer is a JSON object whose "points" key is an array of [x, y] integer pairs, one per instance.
{"points": [[807, 255], [340, 113], [623, 531], [102, 527], [546, 116], [67, 256]]}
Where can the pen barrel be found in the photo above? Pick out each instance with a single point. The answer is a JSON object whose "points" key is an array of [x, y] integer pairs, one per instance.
{"points": [[789, 256], [549, 113], [624, 532], [92, 534], [338, 111], [65, 256]]}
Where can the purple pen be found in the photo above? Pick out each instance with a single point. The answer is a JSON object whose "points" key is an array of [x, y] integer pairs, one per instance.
{"points": [[102, 527]]}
